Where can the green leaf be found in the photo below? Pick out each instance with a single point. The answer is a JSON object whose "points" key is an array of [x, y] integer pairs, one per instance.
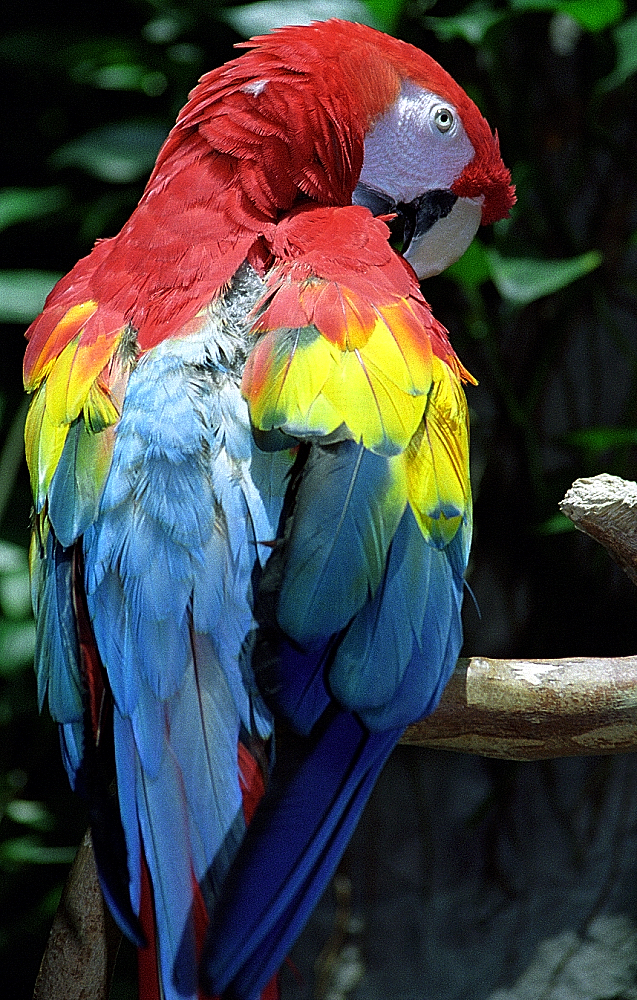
{"points": [[15, 595], [30, 813], [118, 154], [625, 38], [473, 268], [557, 524], [591, 16], [49, 903], [22, 294], [121, 75], [15, 588], [17, 646], [111, 63], [521, 280], [385, 13], [599, 439], [13, 558], [595, 16], [29, 850], [128, 76], [471, 25], [21, 204], [265, 15], [164, 28]]}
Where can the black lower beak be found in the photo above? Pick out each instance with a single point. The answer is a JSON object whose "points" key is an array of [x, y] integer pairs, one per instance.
{"points": [[412, 219]]}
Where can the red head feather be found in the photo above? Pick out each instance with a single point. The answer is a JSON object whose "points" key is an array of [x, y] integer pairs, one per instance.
{"points": [[293, 112], [283, 123]]}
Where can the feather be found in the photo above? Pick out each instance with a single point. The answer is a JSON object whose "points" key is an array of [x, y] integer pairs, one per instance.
{"points": [[283, 865], [348, 505], [399, 651], [78, 482], [57, 663], [437, 460], [44, 444]]}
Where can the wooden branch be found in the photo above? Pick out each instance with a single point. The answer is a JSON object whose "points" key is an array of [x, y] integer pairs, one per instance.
{"points": [[533, 709], [605, 507], [80, 955], [530, 709]]}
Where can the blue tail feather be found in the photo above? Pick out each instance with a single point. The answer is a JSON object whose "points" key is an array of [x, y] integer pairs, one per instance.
{"points": [[284, 865]]}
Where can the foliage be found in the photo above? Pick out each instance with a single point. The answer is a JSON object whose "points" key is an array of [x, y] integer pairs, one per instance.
{"points": [[542, 310]]}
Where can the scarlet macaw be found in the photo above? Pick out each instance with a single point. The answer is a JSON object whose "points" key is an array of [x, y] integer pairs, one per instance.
{"points": [[248, 448]]}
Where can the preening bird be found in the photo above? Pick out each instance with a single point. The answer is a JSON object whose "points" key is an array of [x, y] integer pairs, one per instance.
{"points": [[248, 449]]}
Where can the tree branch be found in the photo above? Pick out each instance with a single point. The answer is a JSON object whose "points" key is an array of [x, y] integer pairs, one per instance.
{"points": [[533, 709], [80, 954], [605, 507]]}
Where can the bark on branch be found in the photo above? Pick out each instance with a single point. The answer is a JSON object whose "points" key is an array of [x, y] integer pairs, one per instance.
{"points": [[80, 955], [532, 709], [605, 507]]}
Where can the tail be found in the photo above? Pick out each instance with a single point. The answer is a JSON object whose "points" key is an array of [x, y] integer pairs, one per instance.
{"points": [[149, 969], [290, 851]]}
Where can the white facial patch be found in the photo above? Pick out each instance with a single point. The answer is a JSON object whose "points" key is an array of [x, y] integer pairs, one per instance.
{"points": [[407, 152]]}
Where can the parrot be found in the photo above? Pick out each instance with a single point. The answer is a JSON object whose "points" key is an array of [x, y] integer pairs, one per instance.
{"points": [[248, 442]]}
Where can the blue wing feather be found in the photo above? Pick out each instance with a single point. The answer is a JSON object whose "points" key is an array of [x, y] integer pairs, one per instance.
{"points": [[343, 524], [78, 482], [57, 663], [399, 651]]}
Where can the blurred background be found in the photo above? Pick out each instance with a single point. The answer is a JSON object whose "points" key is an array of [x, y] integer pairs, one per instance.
{"points": [[463, 868]]}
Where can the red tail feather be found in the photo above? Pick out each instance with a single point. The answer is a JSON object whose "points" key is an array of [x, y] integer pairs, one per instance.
{"points": [[147, 967], [252, 784]]}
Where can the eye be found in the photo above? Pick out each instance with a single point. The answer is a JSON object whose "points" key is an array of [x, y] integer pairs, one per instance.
{"points": [[443, 119]]}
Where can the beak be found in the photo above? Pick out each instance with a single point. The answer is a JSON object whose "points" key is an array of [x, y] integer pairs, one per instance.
{"points": [[430, 232], [430, 252]]}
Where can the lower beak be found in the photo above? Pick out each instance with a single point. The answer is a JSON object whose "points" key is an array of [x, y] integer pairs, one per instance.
{"points": [[446, 240]]}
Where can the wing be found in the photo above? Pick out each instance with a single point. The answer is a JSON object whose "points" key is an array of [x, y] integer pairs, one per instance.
{"points": [[76, 366], [149, 524], [359, 603]]}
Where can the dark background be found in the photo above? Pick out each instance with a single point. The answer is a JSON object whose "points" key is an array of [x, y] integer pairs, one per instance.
{"points": [[542, 310]]}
